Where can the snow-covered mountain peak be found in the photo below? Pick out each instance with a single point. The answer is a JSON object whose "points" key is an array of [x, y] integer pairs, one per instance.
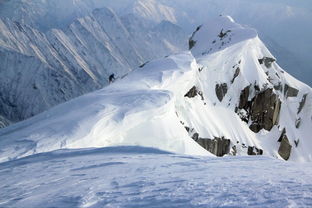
{"points": [[238, 72], [217, 34], [227, 95]]}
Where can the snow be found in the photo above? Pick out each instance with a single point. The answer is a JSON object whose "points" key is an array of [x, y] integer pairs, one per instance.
{"points": [[126, 145], [81, 56], [123, 37], [143, 177], [219, 57], [137, 110], [148, 107]]}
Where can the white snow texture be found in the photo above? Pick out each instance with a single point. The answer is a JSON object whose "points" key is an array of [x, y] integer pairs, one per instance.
{"points": [[148, 107], [131, 143]]}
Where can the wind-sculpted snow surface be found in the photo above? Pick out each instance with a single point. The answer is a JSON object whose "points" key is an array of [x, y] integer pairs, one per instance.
{"points": [[143, 177], [231, 99]]}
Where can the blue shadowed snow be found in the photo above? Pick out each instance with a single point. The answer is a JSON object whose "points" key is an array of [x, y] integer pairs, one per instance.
{"points": [[145, 177]]}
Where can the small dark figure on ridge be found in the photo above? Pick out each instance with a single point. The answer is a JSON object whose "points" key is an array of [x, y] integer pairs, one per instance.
{"points": [[111, 78]]}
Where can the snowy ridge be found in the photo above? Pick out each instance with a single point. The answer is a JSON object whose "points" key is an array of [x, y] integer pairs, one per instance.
{"points": [[76, 60], [232, 99], [137, 110]]}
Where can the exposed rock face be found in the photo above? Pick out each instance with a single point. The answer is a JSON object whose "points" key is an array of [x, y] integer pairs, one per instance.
{"points": [[223, 34], [302, 103], [297, 142], [263, 110], [192, 42], [290, 91], [192, 92], [298, 123], [254, 151], [217, 146], [195, 136], [285, 148], [221, 90], [282, 135], [267, 61], [237, 71], [243, 99]]}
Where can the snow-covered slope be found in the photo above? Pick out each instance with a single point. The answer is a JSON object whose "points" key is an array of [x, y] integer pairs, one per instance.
{"points": [[232, 98], [241, 75], [83, 44], [142, 177], [39, 70], [137, 110]]}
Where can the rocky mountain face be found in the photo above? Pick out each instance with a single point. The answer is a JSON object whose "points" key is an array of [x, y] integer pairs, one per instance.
{"points": [[42, 68], [264, 96], [226, 96]]}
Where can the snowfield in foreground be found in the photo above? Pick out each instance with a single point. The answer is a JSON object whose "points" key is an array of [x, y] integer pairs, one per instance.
{"points": [[143, 177]]}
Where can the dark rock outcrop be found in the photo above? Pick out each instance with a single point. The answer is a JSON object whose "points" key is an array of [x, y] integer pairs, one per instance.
{"points": [[217, 146], [221, 90], [267, 61], [141, 66], [264, 111], [285, 148], [302, 103], [243, 99], [297, 142], [192, 42], [234, 150], [290, 91], [193, 92], [298, 123], [223, 34], [254, 151], [244, 103], [195, 136], [282, 135], [237, 71]]}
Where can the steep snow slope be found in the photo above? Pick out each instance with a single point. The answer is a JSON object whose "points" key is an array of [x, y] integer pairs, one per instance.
{"points": [[75, 60], [142, 177], [232, 99]]}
